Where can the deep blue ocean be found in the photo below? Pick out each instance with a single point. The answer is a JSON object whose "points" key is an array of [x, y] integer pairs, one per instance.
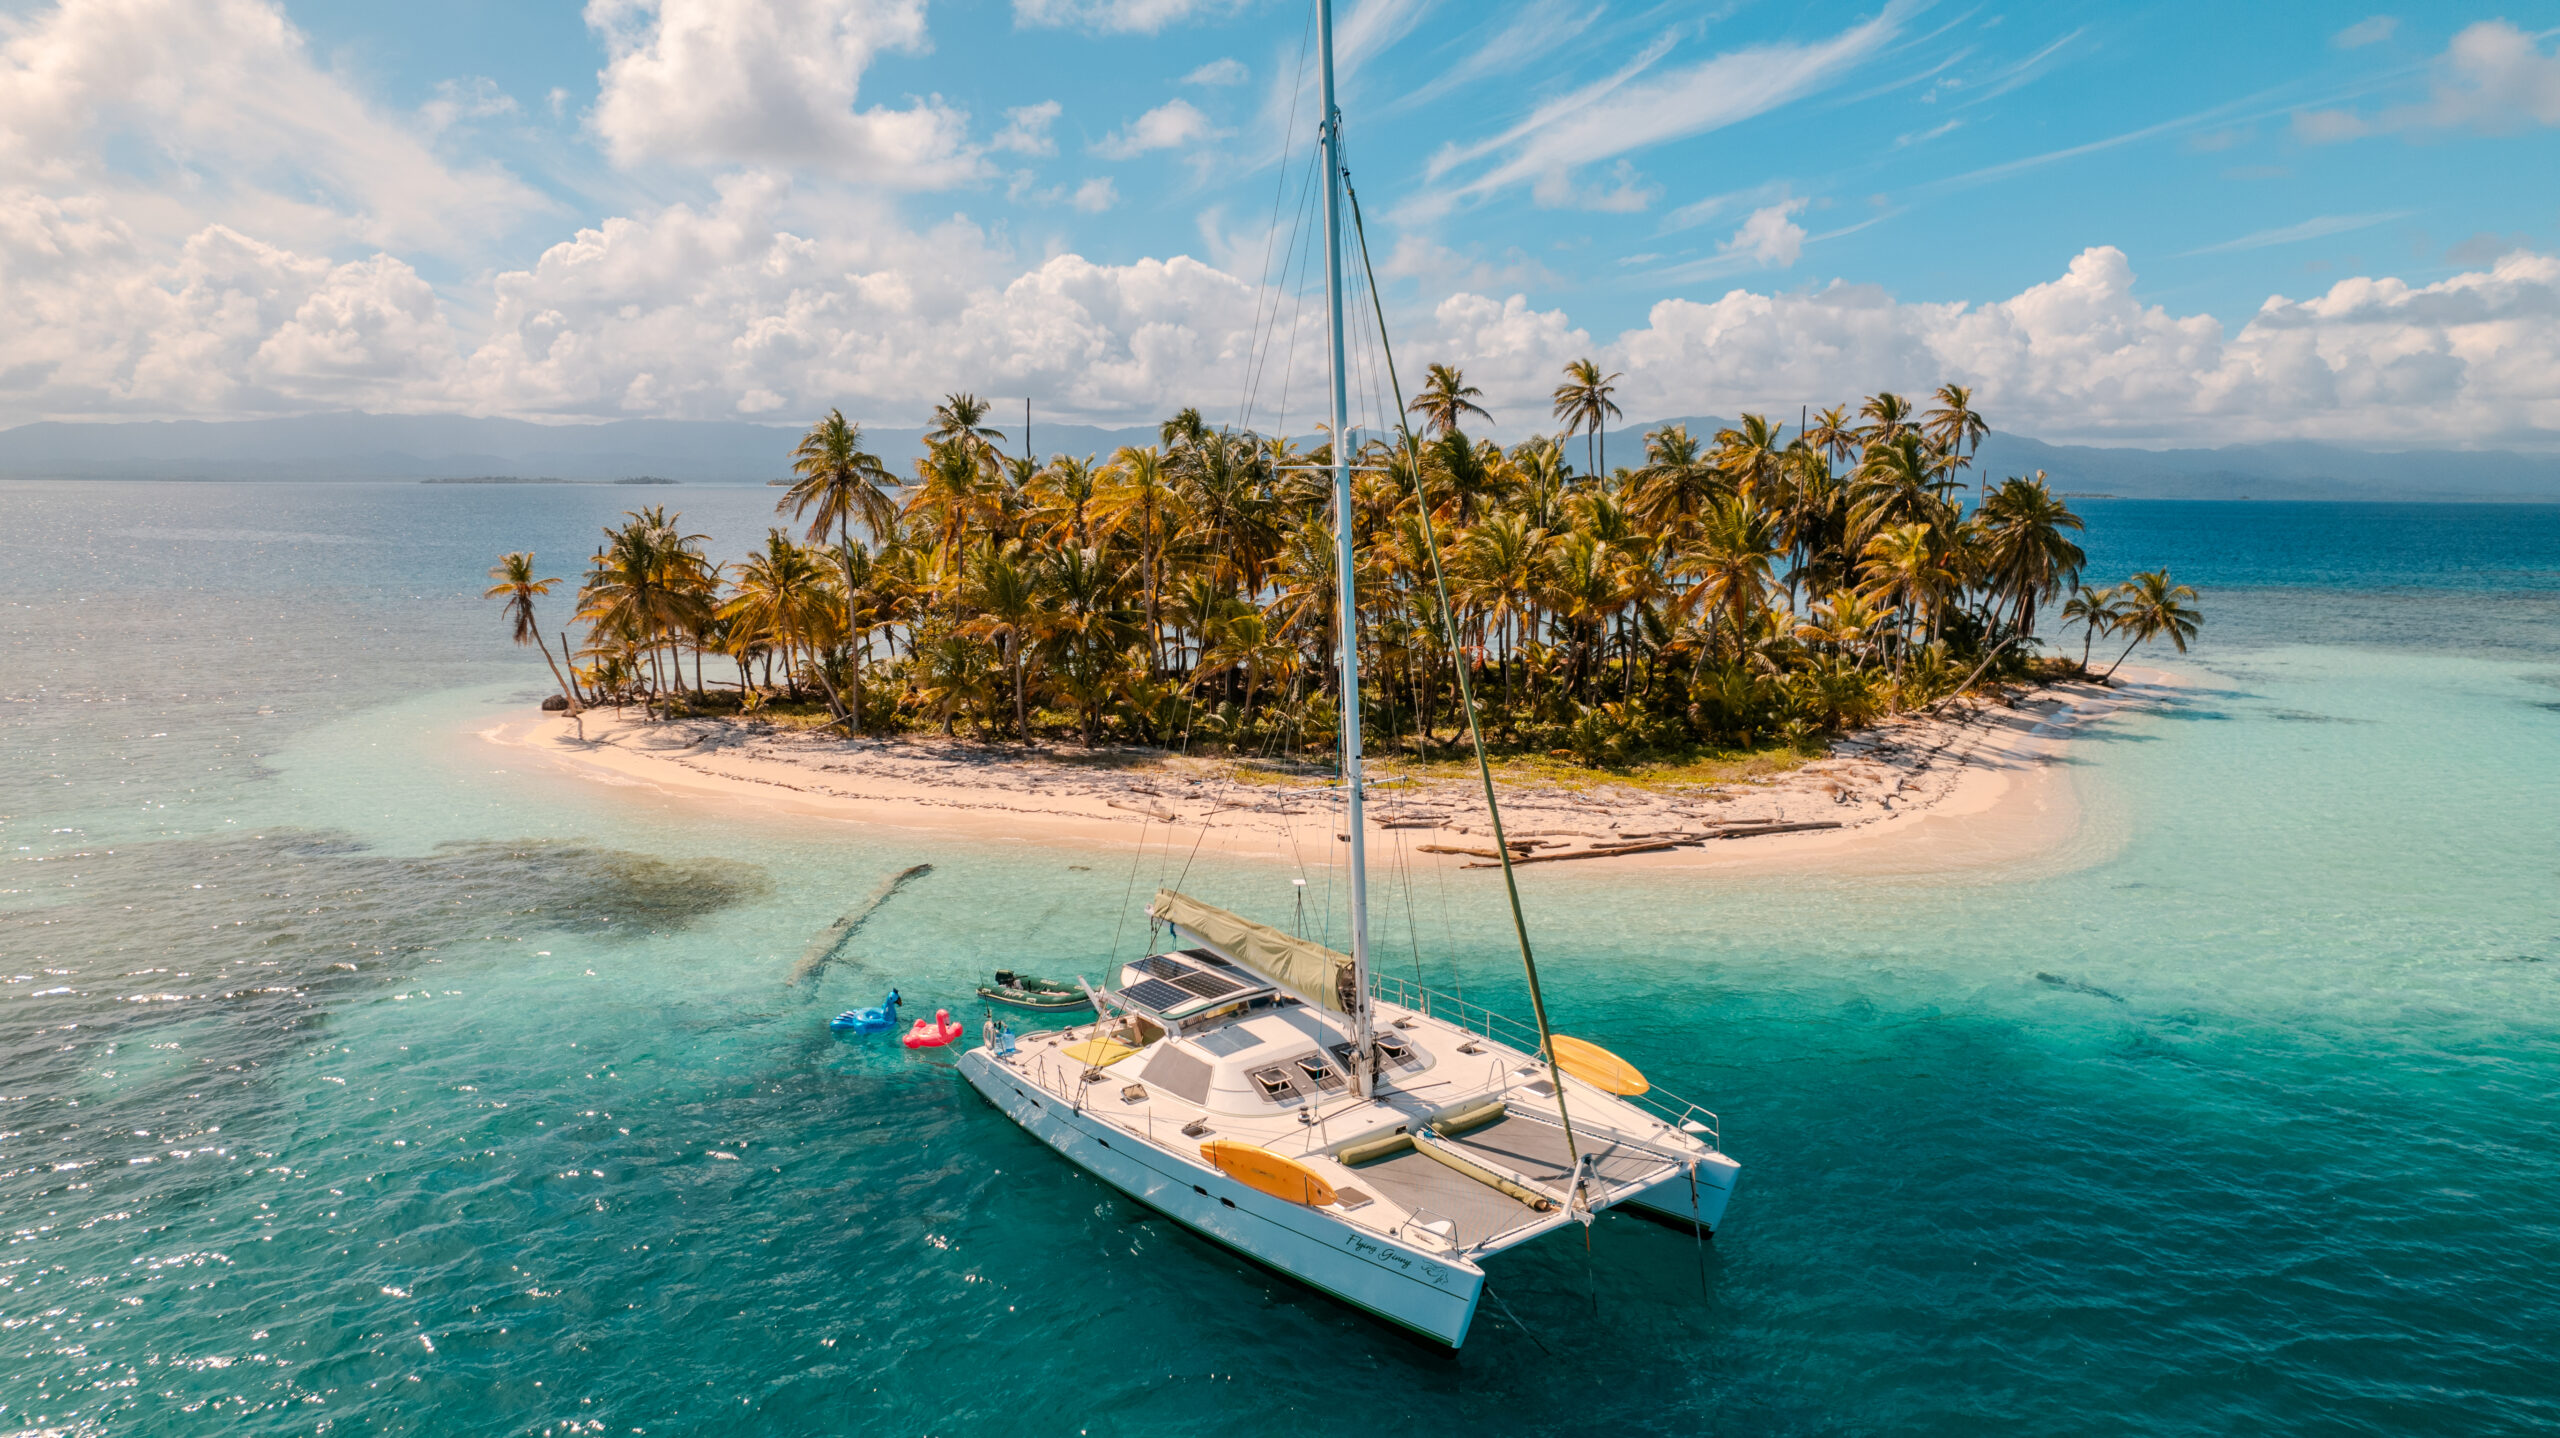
{"points": [[354, 1079]]}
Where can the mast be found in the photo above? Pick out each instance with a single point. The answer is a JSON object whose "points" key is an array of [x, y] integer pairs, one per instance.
{"points": [[1346, 613]]}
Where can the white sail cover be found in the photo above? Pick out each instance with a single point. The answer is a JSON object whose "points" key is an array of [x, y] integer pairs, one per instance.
{"points": [[1311, 971]]}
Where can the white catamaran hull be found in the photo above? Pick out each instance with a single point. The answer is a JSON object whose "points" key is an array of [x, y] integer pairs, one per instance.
{"points": [[1675, 1198], [1425, 1293]]}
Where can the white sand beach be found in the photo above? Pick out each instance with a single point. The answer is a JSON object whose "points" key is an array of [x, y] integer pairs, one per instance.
{"points": [[1975, 785]]}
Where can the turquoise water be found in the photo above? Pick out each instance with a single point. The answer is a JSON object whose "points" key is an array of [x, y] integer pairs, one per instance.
{"points": [[350, 1082]]}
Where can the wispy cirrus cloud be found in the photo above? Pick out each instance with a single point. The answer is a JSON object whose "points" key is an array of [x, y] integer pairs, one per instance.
{"points": [[1642, 105], [2318, 227], [1139, 17]]}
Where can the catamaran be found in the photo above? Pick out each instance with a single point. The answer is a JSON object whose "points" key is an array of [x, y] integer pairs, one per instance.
{"points": [[1374, 1139]]}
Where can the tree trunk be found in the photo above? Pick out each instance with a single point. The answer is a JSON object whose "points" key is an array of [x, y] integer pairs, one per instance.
{"points": [[852, 620], [565, 689], [1021, 706], [835, 704], [2110, 675]]}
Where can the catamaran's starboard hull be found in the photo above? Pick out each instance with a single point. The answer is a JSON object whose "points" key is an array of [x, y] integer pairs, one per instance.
{"points": [[1675, 1200], [1423, 1293]]}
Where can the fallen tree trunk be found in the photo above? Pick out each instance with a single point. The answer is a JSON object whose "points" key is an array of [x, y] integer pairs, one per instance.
{"points": [[1610, 852], [1757, 830], [1471, 853]]}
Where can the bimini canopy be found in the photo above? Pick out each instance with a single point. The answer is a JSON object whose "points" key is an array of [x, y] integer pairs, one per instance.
{"points": [[1311, 971]]}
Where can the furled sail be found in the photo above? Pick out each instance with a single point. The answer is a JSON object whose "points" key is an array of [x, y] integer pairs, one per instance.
{"points": [[1311, 971]]}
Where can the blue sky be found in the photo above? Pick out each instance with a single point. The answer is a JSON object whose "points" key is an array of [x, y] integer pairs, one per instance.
{"points": [[752, 207]]}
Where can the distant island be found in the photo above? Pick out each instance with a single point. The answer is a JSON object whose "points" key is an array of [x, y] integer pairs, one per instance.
{"points": [[342, 447], [545, 479]]}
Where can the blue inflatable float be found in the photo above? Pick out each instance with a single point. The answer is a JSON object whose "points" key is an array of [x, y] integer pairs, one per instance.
{"points": [[869, 1021]]}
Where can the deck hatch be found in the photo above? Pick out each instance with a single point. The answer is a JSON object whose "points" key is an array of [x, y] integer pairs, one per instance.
{"points": [[1275, 1084], [1319, 1073], [1226, 1043]]}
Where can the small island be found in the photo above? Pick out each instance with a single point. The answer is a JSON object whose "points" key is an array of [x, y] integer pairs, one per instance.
{"points": [[1743, 635]]}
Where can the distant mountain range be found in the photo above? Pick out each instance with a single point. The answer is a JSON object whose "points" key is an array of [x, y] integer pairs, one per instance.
{"points": [[451, 447]]}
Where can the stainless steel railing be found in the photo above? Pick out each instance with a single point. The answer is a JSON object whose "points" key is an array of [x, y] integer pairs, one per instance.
{"points": [[1695, 1120]]}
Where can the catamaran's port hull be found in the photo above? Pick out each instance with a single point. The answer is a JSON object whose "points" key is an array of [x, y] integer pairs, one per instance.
{"points": [[1673, 1200], [1426, 1294]]}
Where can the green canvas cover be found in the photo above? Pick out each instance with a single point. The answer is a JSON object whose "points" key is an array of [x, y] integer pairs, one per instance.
{"points": [[1311, 971]]}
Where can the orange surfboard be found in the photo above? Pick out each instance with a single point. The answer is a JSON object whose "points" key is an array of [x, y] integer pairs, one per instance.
{"points": [[1268, 1172], [1598, 1067]]}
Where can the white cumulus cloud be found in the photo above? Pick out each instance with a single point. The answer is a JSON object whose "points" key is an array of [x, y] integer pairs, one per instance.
{"points": [[2472, 360], [767, 82], [1771, 235], [1169, 126], [217, 112], [2493, 78], [756, 303], [1026, 129]]}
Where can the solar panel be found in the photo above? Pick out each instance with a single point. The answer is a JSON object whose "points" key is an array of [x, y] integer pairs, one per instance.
{"points": [[1207, 956], [1157, 965], [1207, 986], [1155, 994]]}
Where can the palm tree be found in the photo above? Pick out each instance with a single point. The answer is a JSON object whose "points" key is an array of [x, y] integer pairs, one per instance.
{"points": [[1676, 486], [2149, 606], [961, 419], [1905, 571], [1831, 434], [1732, 560], [784, 599], [1138, 502], [2026, 558], [2094, 609], [843, 482], [1008, 609], [1900, 481], [649, 585], [1954, 427], [1446, 398], [1583, 402], [517, 586], [1749, 454], [1888, 415], [1248, 645]]}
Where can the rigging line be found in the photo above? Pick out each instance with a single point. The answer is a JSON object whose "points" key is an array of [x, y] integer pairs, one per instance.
{"points": [[1292, 257], [1271, 236], [1132, 891], [1412, 929], [1297, 311], [1195, 850], [1475, 730]]}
